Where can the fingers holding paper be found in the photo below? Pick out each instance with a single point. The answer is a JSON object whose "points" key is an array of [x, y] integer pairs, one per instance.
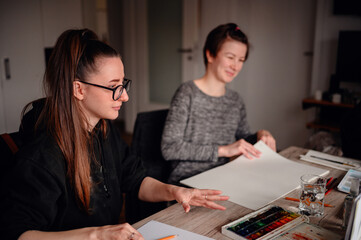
{"points": [[119, 231], [237, 148], [199, 197], [267, 138]]}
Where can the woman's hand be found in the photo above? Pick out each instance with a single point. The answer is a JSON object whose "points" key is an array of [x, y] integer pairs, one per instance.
{"points": [[108, 232], [237, 148], [267, 138], [117, 232], [198, 197]]}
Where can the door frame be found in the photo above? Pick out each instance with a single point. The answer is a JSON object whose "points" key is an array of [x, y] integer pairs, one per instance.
{"points": [[2, 100], [135, 55]]}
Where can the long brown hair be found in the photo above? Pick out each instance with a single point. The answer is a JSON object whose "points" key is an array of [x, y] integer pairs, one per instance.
{"points": [[74, 57]]}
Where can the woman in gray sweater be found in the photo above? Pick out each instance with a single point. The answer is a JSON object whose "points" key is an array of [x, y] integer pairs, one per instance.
{"points": [[206, 123]]}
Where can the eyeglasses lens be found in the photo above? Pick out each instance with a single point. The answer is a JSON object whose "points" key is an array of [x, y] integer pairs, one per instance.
{"points": [[127, 85], [119, 91]]}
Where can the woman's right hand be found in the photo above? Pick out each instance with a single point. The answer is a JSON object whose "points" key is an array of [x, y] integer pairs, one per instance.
{"points": [[109, 232], [237, 148], [117, 232]]}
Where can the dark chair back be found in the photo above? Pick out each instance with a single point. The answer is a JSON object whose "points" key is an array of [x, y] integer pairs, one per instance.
{"points": [[9, 145], [146, 142]]}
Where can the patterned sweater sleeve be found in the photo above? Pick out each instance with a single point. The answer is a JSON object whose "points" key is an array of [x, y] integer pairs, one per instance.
{"points": [[173, 145]]}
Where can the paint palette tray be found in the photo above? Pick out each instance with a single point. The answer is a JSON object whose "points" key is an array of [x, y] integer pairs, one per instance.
{"points": [[266, 223]]}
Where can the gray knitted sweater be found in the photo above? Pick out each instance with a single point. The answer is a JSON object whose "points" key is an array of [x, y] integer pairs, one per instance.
{"points": [[196, 125]]}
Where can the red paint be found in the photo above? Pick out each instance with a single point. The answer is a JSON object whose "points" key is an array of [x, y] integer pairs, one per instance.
{"points": [[297, 236]]}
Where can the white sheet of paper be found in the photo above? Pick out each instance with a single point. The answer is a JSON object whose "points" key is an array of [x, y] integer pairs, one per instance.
{"points": [[257, 182], [153, 230]]}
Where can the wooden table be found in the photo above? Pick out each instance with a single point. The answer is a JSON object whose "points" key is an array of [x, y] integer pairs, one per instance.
{"points": [[208, 222]]}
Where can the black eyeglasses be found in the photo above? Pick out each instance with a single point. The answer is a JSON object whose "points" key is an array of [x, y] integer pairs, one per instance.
{"points": [[117, 91]]}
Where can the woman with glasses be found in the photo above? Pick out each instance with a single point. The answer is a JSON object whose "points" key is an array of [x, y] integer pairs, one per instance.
{"points": [[206, 123], [71, 173]]}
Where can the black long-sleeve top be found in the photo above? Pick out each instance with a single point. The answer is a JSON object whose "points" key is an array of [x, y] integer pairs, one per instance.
{"points": [[36, 193]]}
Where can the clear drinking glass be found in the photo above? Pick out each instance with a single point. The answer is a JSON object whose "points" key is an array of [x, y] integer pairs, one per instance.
{"points": [[312, 195]]}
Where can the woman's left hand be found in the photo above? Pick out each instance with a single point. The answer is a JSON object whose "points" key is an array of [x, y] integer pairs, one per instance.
{"points": [[198, 197], [267, 138]]}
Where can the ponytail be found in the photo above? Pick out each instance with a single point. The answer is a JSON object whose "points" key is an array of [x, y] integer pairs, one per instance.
{"points": [[74, 57]]}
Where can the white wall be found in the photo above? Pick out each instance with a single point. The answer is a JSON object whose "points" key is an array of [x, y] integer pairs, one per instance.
{"points": [[22, 43], [279, 76], [58, 16], [95, 17], [27, 27]]}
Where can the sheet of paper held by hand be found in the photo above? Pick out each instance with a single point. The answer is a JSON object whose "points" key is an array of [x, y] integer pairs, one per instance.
{"points": [[253, 183]]}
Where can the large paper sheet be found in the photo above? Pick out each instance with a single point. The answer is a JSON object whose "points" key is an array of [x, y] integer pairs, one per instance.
{"points": [[257, 182], [153, 230]]}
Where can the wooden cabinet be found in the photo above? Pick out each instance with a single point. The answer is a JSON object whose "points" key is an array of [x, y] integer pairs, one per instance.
{"points": [[328, 116]]}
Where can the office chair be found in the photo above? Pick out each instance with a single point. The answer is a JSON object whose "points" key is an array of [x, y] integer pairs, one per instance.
{"points": [[146, 142]]}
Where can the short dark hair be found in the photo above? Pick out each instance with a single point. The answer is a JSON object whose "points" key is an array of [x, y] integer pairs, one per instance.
{"points": [[219, 35]]}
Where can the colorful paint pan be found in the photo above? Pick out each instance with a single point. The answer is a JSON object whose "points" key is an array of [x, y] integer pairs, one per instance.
{"points": [[263, 223]]}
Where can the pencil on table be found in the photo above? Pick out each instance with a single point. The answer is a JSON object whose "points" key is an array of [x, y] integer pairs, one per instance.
{"points": [[169, 237]]}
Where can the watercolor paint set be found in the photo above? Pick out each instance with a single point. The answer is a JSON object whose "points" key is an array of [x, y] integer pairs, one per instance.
{"points": [[270, 222]]}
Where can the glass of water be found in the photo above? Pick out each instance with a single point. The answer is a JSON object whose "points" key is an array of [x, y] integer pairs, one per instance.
{"points": [[312, 195]]}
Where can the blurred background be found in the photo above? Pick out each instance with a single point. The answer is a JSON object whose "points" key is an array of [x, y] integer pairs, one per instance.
{"points": [[294, 52]]}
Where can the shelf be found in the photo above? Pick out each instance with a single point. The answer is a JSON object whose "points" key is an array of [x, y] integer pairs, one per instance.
{"points": [[316, 125], [310, 102], [328, 115]]}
